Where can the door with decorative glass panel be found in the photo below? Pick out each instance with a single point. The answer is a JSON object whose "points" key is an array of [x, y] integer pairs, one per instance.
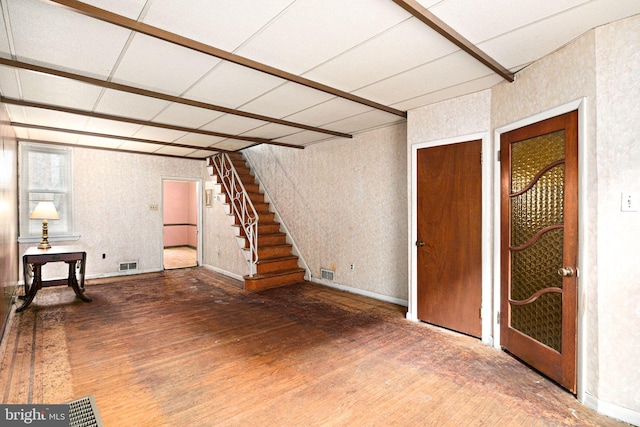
{"points": [[539, 246]]}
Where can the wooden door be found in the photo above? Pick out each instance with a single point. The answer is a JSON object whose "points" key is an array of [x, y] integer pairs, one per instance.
{"points": [[449, 226], [539, 246]]}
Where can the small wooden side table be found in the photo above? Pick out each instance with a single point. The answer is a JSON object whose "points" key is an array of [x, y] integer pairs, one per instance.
{"points": [[33, 260]]}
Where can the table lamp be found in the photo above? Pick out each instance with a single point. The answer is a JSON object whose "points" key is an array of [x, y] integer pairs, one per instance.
{"points": [[44, 211]]}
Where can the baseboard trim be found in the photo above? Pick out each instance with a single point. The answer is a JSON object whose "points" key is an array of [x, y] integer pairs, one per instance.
{"points": [[224, 272], [362, 292], [612, 410]]}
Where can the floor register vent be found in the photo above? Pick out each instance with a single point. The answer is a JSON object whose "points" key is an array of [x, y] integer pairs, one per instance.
{"points": [[83, 412], [327, 274], [126, 266]]}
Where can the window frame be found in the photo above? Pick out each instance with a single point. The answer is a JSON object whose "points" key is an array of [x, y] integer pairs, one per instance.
{"points": [[28, 232]]}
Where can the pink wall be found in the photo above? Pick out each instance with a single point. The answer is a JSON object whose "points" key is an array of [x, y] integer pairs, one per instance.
{"points": [[180, 207]]}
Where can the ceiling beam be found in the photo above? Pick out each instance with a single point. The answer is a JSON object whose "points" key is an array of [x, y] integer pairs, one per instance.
{"points": [[140, 27], [66, 144], [85, 113], [420, 12], [163, 96], [110, 136]]}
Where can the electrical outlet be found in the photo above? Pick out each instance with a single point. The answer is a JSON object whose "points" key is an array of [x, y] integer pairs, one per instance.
{"points": [[153, 207], [352, 267]]}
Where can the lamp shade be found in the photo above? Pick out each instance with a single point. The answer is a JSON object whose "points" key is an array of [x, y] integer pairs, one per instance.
{"points": [[44, 210]]}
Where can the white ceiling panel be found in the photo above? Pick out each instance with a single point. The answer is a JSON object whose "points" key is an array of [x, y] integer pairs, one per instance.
{"points": [[187, 116], [5, 48], [129, 8], [403, 47], [201, 154], [550, 34], [271, 130], [159, 134], [153, 64], [174, 151], [55, 119], [111, 127], [138, 146], [233, 125], [328, 112], [314, 31], [231, 85], [9, 82], [467, 87], [53, 136], [362, 122], [21, 133], [448, 71], [126, 104], [232, 145], [44, 33], [198, 139], [53, 90], [286, 100], [99, 142], [495, 17], [225, 24], [304, 138]]}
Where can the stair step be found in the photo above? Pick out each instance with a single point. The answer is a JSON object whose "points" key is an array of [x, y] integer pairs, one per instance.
{"points": [[261, 207], [262, 217], [264, 239], [277, 264], [274, 251], [264, 281]]}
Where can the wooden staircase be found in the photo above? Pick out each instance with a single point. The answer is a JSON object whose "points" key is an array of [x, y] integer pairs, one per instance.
{"points": [[276, 265]]}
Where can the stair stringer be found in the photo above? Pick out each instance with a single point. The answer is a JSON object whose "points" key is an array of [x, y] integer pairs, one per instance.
{"points": [[295, 250]]}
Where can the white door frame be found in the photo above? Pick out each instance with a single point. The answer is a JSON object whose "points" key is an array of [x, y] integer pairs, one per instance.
{"points": [[199, 233]]}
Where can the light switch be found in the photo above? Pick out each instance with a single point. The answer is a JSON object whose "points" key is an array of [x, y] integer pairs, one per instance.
{"points": [[629, 202]]}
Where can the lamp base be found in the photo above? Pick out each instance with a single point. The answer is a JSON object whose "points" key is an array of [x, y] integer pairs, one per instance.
{"points": [[44, 245]]}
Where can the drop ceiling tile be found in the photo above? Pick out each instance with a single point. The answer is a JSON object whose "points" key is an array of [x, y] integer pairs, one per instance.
{"points": [[198, 139], [233, 125], [52, 136], [367, 121], [124, 104], [201, 154], [388, 54], [175, 151], [111, 127], [187, 116], [231, 85], [305, 138], [314, 31], [129, 8], [286, 99], [138, 146], [328, 112], [159, 134], [53, 90], [224, 24], [99, 142], [271, 130], [450, 92], [9, 83], [437, 75], [48, 34], [5, 49], [156, 65], [232, 145], [21, 133], [494, 17], [38, 116]]}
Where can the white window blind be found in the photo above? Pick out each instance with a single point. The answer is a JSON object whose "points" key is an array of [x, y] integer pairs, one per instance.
{"points": [[45, 175]]}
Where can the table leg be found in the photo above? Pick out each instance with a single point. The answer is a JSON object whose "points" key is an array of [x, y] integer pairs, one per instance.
{"points": [[31, 290], [73, 280]]}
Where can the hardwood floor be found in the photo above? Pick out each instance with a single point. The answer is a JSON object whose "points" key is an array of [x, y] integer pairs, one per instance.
{"points": [[189, 348]]}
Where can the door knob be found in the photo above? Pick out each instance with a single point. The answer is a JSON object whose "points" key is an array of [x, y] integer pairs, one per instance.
{"points": [[419, 243], [566, 271]]}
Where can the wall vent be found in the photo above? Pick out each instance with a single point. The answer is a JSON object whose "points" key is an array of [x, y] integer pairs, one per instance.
{"points": [[327, 274], [127, 266]]}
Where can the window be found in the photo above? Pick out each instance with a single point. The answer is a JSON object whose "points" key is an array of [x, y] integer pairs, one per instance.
{"points": [[45, 175]]}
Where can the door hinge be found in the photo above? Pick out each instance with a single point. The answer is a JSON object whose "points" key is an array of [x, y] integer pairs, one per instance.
{"points": [[498, 156], [498, 318], [481, 157], [480, 312]]}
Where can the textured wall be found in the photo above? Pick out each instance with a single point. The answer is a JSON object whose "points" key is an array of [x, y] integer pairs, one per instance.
{"points": [[618, 154], [113, 193], [345, 203], [9, 263]]}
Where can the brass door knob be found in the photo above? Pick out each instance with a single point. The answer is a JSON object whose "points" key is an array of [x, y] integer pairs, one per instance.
{"points": [[566, 271], [419, 244]]}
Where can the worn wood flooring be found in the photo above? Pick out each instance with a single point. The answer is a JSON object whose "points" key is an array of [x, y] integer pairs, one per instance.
{"points": [[190, 348]]}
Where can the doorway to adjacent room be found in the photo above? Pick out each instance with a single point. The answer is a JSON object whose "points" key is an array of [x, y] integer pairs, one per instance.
{"points": [[181, 223]]}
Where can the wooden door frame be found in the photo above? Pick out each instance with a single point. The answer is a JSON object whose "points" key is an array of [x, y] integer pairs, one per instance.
{"points": [[487, 249], [583, 237]]}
